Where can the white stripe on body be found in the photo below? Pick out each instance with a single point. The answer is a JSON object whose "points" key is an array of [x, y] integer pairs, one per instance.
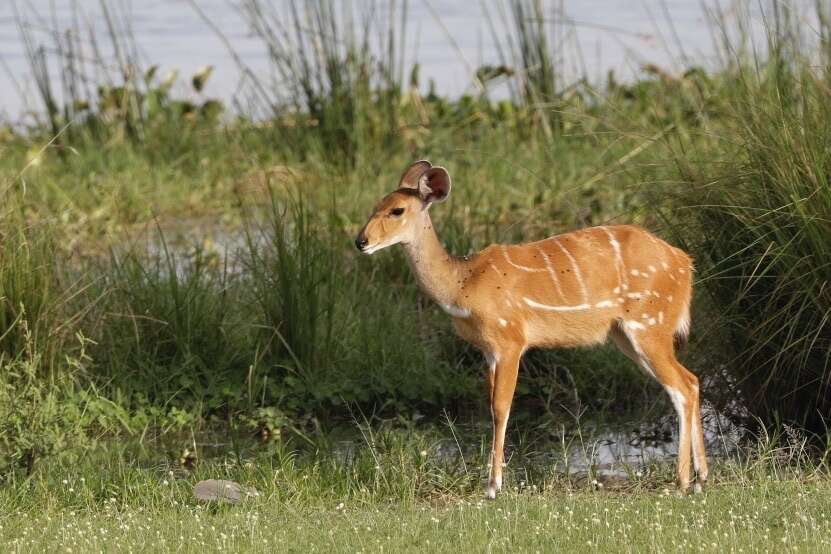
{"points": [[574, 265]]}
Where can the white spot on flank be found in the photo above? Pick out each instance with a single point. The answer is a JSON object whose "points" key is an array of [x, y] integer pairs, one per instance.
{"points": [[625, 286], [644, 316], [681, 270], [660, 317], [620, 300], [537, 305], [635, 272], [652, 268], [604, 304], [502, 322], [656, 294], [664, 265], [456, 311], [651, 321], [616, 290], [669, 298], [635, 295]]}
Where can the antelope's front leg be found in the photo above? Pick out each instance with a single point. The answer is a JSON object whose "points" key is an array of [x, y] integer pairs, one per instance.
{"points": [[503, 375]]}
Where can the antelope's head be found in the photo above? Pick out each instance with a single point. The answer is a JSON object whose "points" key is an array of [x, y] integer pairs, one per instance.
{"points": [[401, 214]]}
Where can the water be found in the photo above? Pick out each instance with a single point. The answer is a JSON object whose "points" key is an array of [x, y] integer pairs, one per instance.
{"points": [[609, 453], [603, 35]]}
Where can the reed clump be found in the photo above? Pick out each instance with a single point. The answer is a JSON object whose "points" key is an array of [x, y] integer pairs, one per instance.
{"points": [[283, 316]]}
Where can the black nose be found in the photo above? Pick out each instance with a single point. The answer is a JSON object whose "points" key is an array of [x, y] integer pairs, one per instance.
{"points": [[361, 242]]}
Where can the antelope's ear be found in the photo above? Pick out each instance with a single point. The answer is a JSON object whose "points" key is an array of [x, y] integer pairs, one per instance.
{"points": [[434, 185], [409, 179]]}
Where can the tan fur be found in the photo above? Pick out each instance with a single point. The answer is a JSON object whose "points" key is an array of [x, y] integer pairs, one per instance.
{"points": [[573, 289]]}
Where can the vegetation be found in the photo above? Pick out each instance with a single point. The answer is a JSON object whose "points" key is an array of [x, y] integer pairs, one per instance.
{"points": [[398, 492], [170, 271], [762, 216]]}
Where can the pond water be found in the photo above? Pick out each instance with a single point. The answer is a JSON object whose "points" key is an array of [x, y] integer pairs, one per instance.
{"points": [[611, 454], [449, 39]]}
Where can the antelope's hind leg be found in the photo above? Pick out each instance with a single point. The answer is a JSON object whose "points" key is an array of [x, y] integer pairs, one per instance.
{"points": [[654, 351], [699, 449]]}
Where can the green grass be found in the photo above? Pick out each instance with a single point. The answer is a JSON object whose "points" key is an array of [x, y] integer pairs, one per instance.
{"points": [[758, 214], [175, 268], [792, 516], [306, 324], [400, 495], [167, 272]]}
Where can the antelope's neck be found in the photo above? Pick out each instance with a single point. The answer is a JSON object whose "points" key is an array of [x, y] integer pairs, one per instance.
{"points": [[436, 270]]}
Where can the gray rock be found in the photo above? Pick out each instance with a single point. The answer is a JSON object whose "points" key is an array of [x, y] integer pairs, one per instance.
{"points": [[222, 490]]}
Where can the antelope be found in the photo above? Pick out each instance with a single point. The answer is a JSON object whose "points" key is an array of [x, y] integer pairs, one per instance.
{"points": [[573, 289]]}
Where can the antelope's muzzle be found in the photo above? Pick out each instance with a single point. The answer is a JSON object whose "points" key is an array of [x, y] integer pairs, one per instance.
{"points": [[361, 241]]}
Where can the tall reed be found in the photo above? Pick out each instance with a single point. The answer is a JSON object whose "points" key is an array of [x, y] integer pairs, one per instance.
{"points": [[760, 215], [94, 86], [340, 69]]}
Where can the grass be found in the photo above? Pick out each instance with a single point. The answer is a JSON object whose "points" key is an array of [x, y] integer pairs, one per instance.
{"points": [[395, 492], [759, 213], [737, 518], [199, 327], [164, 268], [173, 283]]}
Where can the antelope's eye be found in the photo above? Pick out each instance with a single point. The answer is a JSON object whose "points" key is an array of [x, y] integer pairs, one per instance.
{"points": [[396, 211]]}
